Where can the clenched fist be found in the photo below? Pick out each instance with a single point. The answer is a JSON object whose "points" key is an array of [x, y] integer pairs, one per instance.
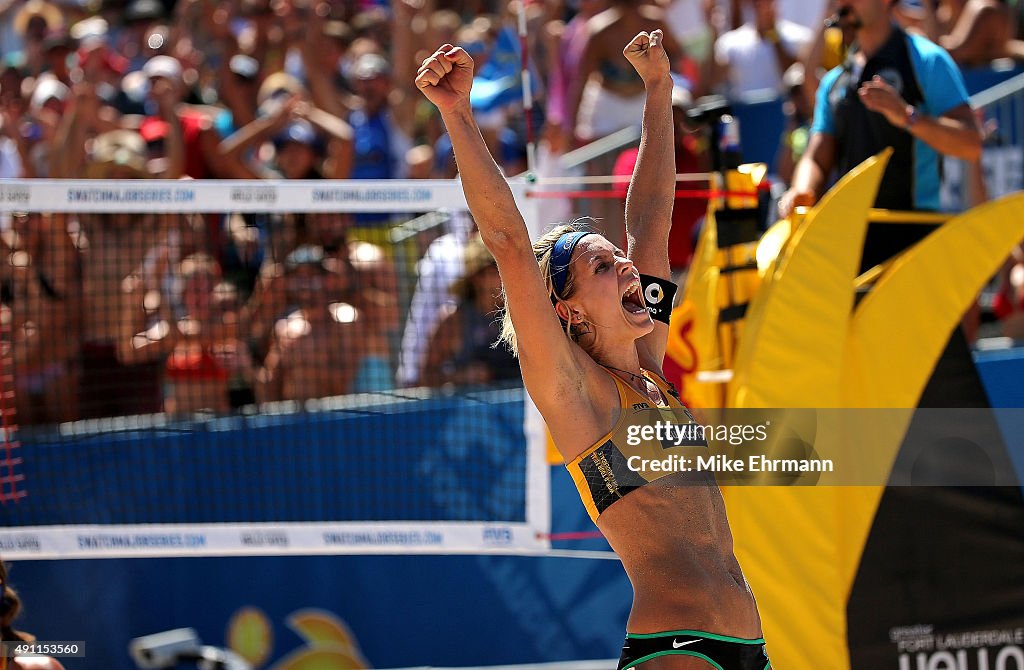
{"points": [[446, 78], [646, 54], [879, 96]]}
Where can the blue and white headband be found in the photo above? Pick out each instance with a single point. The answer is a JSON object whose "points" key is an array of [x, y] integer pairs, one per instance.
{"points": [[561, 258]]}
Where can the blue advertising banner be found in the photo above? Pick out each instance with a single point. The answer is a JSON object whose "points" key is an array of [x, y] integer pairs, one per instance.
{"points": [[459, 458], [285, 612]]}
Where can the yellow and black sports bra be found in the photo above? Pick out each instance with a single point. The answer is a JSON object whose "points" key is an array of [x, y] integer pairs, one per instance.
{"points": [[630, 455]]}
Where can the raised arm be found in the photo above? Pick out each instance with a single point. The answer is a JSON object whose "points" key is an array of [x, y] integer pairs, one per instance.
{"points": [[652, 189], [233, 149], [173, 165], [67, 154], [322, 89], [587, 67], [446, 79], [408, 24], [550, 362], [340, 142], [143, 338], [979, 35]]}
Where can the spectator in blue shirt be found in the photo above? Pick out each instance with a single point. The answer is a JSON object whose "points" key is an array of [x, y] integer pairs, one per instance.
{"points": [[902, 91], [895, 90]]}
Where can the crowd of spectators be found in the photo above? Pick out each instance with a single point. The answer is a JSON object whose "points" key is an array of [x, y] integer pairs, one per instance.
{"points": [[114, 314]]}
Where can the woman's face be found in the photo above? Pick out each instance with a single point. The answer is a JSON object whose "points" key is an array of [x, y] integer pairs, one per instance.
{"points": [[607, 292]]}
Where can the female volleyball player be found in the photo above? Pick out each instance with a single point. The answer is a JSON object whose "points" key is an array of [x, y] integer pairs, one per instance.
{"points": [[591, 360]]}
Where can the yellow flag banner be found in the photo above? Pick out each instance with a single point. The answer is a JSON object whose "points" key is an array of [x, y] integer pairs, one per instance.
{"points": [[814, 555]]}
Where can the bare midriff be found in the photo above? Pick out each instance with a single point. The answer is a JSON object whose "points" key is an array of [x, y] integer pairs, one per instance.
{"points": [[673, 539]]}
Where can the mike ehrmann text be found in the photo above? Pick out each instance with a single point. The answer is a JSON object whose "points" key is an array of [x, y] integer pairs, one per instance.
{"points": [[722, 463]]}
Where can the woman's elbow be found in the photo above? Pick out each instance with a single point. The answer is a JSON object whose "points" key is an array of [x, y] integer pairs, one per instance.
{"points": [[505, 244]]}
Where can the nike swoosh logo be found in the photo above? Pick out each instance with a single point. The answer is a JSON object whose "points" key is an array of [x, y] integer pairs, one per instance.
{"points": [[676, 645]]}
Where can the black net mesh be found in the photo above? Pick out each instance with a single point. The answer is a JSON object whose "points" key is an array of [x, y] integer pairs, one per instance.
{"points": [[203, 368]]}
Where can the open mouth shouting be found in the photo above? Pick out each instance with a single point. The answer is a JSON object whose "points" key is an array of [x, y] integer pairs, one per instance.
{"points": [[632, 299]]}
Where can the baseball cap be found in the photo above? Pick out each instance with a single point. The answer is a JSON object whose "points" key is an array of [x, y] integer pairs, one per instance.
{"points": [[117, 149], [162, 66], [475, 258], [278, 82], [47, 88], [307, 255], [913, 8], [300, 131], [369, 66], [91, 31], [48, 12], [143, 10], [339, 30], [244, 66]]}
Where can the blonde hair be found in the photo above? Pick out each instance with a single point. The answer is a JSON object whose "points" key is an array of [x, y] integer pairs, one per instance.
{"points": [[542, 249]]}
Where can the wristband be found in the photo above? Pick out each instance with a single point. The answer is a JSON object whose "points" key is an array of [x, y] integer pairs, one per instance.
{"points": [[658, 296], [912, 118]]}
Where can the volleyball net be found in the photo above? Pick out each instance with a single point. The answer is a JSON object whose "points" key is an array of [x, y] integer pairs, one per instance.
{"points": [[295, 367]]}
